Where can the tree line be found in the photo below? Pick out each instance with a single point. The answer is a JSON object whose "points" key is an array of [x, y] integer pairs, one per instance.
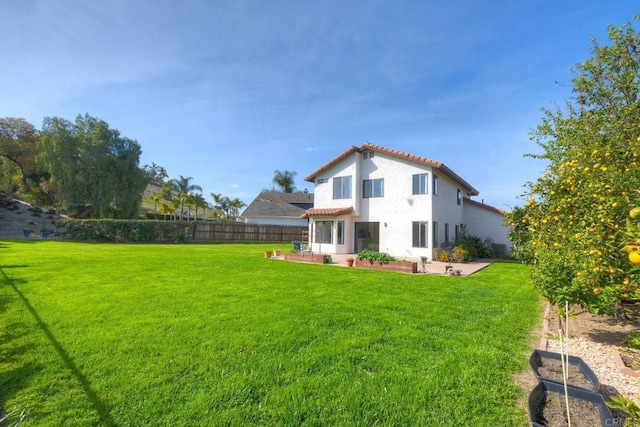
{"points": [[88, 170], [83, 168], [179, 199]]}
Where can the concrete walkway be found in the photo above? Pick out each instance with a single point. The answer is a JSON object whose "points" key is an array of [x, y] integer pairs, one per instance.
{"points": [[432, 267]]}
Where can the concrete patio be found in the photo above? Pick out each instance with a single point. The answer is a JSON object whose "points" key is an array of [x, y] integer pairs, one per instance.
{"points": [[432, 267]]}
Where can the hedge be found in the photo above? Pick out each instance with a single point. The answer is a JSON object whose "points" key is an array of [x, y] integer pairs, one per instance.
{"points": [[115, 230]]}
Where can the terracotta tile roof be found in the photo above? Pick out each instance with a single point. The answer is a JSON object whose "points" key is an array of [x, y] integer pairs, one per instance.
{"points": [[369, 146], [326, 212]]}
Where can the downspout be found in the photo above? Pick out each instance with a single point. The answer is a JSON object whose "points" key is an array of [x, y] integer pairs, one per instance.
{"points": [[356, 187]]}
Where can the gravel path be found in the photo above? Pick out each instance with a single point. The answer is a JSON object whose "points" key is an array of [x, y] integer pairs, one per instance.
{"points": [[600, 358], [595, 339]]}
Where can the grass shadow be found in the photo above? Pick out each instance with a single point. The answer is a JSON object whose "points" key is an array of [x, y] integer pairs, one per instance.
{"points": [[94, 399]]}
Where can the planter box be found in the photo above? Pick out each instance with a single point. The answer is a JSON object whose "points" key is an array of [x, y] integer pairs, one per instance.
{"points": [[547, 403], [547, 366], [315, 258], [402, 267]]}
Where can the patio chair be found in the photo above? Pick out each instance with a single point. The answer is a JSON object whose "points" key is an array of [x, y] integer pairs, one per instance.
{"points": [[299, 247]]}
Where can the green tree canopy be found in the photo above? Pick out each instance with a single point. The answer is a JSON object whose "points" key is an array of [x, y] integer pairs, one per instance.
{"points": [[92, 166], [284, 180], [18, 146], [571, 227], [182, 187]]}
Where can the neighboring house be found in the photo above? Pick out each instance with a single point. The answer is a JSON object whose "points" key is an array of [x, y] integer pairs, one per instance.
{"points": [[372, 197], [272, 208]]}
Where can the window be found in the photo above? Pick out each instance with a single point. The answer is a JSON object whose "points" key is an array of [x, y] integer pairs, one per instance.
{"points": [[341, 232], [420, 183], [457, 232], [459, 197], [322, 180], [420, 234], [435, 185], [373, 188], [446, 233], [323, 232], [342, 187], [368, 154], [435, 234]]}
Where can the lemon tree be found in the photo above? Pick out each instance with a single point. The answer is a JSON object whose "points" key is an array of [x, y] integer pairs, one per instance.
{"points": [[572, 227]]}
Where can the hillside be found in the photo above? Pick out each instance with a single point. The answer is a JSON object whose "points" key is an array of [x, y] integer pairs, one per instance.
{"points": [[16, 215]]}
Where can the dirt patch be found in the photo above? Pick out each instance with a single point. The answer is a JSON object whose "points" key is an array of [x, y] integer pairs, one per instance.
{"points": [[602, 329], [552, 369], [553, 412]]}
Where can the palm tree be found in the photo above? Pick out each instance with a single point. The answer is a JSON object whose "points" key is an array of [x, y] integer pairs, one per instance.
{"points": [[221, 203], [200, 202], [225, 205], [284, 180], [156, 197], [236, 204], [190, 201], [155, 173], [165, 208], [183, 187], [176, 204]]}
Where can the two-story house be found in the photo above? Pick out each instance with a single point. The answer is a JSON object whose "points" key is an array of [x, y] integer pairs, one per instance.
{"points": [[372, 197]]}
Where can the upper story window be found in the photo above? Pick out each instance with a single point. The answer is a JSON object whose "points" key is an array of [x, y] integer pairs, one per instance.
{"points": [[368, 154], [342, 187], [459, 197], [420, 183], [434, 187], [373, 188], [322, 180]]}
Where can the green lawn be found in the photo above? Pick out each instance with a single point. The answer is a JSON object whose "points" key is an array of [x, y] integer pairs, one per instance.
{"points": [[114, 334]]}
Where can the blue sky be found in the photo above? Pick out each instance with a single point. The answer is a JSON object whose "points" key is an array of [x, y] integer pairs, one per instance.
{"points": [[227, 92]]}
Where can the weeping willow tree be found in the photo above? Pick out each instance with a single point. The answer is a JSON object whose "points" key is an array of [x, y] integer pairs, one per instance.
{"points": [[92, 167]]}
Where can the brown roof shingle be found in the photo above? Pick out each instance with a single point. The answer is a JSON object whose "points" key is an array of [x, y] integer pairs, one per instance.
{"points": [[274, 204]]}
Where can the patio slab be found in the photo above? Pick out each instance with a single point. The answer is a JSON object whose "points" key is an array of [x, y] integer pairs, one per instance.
{"points": [[432, 267]]}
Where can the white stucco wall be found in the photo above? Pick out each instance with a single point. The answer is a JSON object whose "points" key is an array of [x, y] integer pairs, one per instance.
{"points": [[397, 210], [323, 193], [277, 221], [484, 222]]}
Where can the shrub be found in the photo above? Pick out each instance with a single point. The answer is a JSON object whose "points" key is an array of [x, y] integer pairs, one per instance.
{"points": [[380, 257], [460, 255], [443, 256], [474, 245]]}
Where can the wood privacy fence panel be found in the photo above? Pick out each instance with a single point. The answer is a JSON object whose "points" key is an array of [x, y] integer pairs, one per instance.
{"points": [[248, 233]]}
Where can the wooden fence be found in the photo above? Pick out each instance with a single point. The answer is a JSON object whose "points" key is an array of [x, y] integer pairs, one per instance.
{"points": [[248, 233]]}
